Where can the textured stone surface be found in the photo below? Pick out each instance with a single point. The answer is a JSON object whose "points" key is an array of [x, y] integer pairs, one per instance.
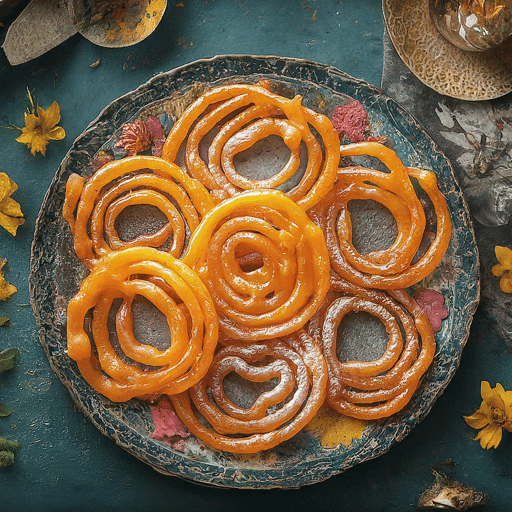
{"points": [[482, 169]]}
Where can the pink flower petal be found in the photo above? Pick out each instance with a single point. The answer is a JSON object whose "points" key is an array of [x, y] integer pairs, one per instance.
{"points": [[167, 424], [156, 133], [432, 303], [351, 120]]}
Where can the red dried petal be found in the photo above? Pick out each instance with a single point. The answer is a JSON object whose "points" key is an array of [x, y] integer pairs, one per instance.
{"points": [[167, 424], [156, 134], [351, 120], [101, 159], [432, 303]]}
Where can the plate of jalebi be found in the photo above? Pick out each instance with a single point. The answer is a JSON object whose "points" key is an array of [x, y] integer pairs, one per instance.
{"points": [[254, 272]]}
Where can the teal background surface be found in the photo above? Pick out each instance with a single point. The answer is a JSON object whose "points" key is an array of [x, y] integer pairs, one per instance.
{"points": [[64, 462]]}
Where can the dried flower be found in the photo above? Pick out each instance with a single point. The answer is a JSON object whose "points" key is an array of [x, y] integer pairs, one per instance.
{"points": [[40, 127], [448, 494], [351, 120], [168, 427], [494, 415], [135, 138], [10, 211], [504, 268]]}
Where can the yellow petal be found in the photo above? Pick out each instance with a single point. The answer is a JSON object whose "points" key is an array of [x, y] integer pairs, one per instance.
{"points": [[506, 284], [57, 133], [490, 437], [485, 391], [496, 438], [39, 143], [5, 186], [504, 256], [26, 136], [13, 188], [6, 289], [31, 121], [498, 270], [496, 402], [11, 224], [507, 399], [486, 408], [477, 420], [49, 117], [10, 207]]}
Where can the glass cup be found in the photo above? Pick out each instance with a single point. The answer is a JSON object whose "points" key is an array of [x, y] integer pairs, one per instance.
{"points": [[474, 25]]}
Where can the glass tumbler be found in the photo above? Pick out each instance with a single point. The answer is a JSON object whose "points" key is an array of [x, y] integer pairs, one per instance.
{"points": [[474, 25]]}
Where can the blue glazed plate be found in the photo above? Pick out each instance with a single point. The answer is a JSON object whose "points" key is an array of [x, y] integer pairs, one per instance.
{"points": [[307, 458]]}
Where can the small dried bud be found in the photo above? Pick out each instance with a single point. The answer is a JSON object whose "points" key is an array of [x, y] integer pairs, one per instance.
{"points": [[135, 138]]}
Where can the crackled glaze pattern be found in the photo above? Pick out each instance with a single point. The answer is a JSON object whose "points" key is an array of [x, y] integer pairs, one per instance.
{"points": [[312, 455], [441, 65]]}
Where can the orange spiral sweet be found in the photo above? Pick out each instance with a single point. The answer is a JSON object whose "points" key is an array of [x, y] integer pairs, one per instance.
{"points": [[287, 284], [269, 274], [131, 181], [380, 388], [393, 267], [135, 368], [277, 414], [247, 114]]}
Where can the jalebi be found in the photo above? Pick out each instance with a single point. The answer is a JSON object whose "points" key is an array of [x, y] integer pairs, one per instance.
{"points": [[290, 273], [136, 368], [393, 267], [380, 388], [277, 414], [252, 267], [248, 114], [131, 181]]}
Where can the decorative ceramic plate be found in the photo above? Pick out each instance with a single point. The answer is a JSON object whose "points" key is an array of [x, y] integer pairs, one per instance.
{"points": [[330, 444]]}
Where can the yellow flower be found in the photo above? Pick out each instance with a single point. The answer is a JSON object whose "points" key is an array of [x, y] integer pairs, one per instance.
{"points": [[504, 268], [494, 415], [11, 215], [41, 127]]}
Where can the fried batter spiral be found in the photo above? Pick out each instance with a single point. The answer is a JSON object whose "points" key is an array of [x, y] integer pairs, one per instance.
{"points": [[277, 414], [375, 389], [278, 295], [135, 180], [117, 372], [392, 267], [269, 274], [248, 114]]}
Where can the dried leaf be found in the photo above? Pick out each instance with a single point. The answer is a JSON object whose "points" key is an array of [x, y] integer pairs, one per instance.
{"points": [[11, 216], [446, 494], [7, 359], [6, 289]]}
